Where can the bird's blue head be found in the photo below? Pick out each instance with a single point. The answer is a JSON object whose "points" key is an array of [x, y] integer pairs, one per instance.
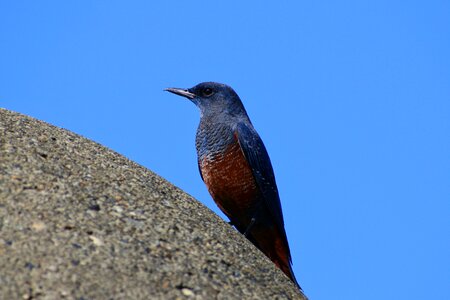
{"points": [[213, 99]]}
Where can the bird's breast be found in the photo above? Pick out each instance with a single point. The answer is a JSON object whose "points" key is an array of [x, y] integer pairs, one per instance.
{"points": [[230, 182]]}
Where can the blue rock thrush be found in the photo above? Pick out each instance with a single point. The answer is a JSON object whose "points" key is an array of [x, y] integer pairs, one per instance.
{"points": [[236, 169]]}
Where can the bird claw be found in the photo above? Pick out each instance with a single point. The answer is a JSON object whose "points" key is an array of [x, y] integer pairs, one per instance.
{"points": [[252, 222]]}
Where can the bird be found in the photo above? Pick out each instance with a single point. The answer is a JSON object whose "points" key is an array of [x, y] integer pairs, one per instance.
{"points": [[236, 168]]}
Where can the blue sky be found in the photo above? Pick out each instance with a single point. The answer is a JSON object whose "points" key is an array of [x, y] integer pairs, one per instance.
{"points": [[352, 99]]}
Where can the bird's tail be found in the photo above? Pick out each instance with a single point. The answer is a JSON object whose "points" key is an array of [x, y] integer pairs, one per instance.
{"points": [[274, 245], [290, 274]]}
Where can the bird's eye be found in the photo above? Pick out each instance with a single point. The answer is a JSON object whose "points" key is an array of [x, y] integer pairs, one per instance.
{"points": [[207, 92]]}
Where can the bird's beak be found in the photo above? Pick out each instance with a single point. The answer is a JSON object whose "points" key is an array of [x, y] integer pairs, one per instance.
{"points": [[181, 92]]}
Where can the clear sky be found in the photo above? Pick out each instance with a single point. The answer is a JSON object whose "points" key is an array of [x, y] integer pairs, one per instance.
{"points": [[352, 99]]}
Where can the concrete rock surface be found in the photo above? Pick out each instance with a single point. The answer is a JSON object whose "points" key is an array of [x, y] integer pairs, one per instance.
{"points": [[79, 221]]}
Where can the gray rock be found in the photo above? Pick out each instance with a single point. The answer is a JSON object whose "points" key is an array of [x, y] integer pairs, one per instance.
{"points": [[79, 221]]}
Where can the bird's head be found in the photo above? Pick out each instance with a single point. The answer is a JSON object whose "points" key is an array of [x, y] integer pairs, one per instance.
{"points": [[213, 99]]}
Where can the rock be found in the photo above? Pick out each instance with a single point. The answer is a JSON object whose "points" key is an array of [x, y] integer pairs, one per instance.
{"points": [[79, 221]]}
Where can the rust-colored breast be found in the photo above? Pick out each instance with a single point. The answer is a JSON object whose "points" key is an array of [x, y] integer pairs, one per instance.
{"points": [[230, 182]]}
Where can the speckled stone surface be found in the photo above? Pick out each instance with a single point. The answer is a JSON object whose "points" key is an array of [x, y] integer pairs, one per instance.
{"points": [[79, 221]]}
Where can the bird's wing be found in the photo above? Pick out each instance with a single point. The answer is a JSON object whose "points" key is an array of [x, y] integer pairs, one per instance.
{"points": [[256, 154]]}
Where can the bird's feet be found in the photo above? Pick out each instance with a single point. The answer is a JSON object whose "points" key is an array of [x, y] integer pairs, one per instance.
{"points": [[252, 222]]}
